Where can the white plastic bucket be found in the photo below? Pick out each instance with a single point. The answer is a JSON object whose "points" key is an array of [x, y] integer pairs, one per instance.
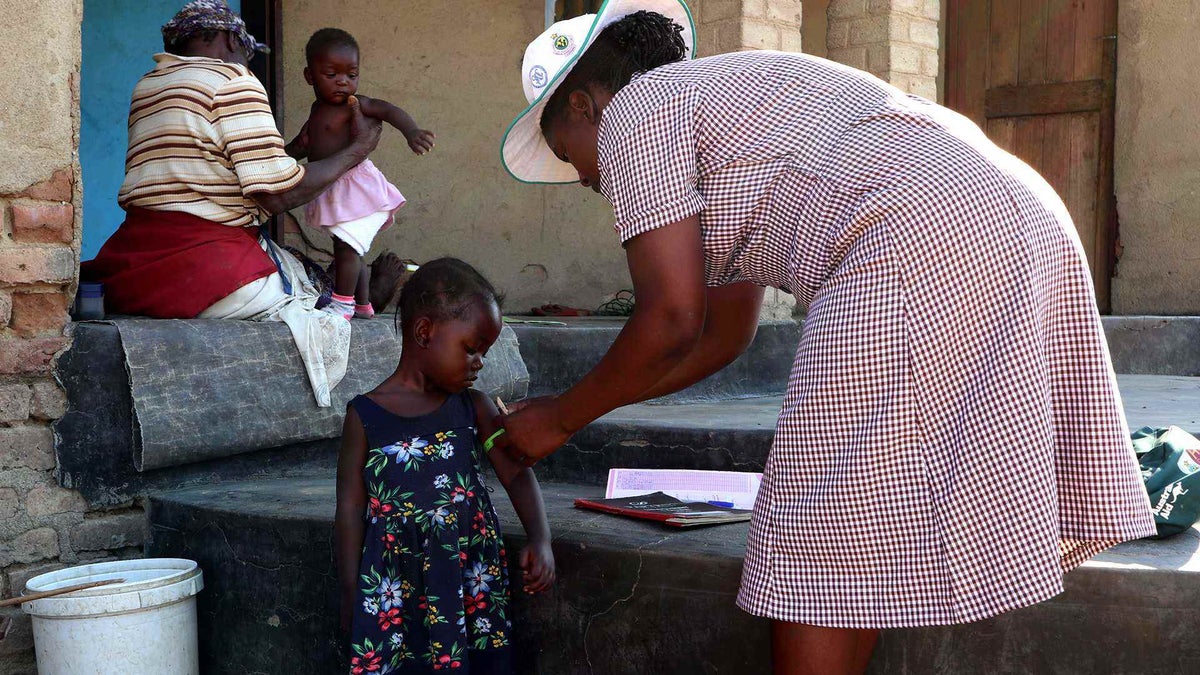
{"points": [[145, 625]]}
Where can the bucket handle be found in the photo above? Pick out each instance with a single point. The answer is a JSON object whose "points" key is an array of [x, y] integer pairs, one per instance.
{"points": [[58, 591]]}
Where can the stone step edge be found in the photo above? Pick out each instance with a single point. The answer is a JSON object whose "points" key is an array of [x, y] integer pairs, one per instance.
{"points": [[597, 532]]}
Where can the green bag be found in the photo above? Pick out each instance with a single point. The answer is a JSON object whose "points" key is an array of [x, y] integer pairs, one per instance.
{"points": [[1170, 462]]}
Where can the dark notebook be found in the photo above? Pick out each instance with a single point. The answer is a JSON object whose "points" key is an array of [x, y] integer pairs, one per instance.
{"points": [[664, 508]]}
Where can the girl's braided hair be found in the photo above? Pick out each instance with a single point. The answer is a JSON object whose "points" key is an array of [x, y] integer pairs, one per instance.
{"points": [[637, 43], [444, 289]]}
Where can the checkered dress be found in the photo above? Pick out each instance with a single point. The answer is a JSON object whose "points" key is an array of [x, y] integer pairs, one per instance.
{"points": [[952, 440]]}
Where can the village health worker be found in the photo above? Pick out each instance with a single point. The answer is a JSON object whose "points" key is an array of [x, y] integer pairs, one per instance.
{"points": [[952, 440]]}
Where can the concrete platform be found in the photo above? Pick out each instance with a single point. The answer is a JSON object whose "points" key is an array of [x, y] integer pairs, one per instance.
{"points": [[1159, 401], [635, 597]]}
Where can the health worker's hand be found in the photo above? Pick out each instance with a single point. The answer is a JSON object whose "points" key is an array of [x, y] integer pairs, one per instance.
{"points": [[535, 430]]}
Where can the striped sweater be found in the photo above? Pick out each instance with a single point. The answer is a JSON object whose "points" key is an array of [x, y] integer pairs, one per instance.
{"points": [[202, 138]]}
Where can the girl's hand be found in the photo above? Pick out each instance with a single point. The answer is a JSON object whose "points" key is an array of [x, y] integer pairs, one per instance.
{"points": [[421, 141], [534, 431], [537, 567]]}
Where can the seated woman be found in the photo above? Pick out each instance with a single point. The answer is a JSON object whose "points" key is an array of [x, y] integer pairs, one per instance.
{"points": [[205, 167]]}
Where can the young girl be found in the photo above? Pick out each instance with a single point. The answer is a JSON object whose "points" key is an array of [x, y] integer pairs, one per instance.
{"points": [[423, 578], [360, 203]]}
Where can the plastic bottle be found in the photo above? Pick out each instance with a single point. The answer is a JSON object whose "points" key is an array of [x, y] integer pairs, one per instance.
{"points": [[91, 302]]}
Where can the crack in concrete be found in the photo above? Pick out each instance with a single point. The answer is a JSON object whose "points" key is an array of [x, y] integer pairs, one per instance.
{"points": [[234, 555], [579, 528], [637, 579]]}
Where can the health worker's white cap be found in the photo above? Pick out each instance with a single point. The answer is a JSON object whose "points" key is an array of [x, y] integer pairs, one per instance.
{"points": [[548, 59]]}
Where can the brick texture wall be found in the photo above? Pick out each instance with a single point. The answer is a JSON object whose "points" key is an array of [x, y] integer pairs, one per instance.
{"points": [[42, 525], [895, 40], [733, 25]]}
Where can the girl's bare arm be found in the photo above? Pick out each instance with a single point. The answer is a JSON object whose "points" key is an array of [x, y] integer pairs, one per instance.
{"points": [[537, 560]]}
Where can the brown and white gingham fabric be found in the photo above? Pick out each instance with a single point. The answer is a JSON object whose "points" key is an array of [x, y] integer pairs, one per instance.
{"points": [[952, 440]]}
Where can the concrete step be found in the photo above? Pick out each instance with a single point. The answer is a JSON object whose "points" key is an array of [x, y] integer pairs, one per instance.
{"points": [[634, 597], [630, 592], [1154, 345], [557, 356], [732, 435], [736, 435]]}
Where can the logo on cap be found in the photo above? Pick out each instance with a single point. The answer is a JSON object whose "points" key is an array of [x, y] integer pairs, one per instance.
{"points": [[537, 77], [561, 44]]}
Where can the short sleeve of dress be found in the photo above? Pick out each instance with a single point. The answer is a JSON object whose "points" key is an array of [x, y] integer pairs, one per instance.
{"points": [[647, 157], [246, 131]]}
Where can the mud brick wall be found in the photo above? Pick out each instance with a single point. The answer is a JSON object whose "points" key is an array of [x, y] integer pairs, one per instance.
{"points": [[42, 525]]}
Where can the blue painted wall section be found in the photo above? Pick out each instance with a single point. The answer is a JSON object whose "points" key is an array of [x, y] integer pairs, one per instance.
{"points": [[120, 39]]}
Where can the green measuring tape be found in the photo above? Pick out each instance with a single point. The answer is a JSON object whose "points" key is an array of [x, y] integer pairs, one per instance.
{"points": [[491, 440]]}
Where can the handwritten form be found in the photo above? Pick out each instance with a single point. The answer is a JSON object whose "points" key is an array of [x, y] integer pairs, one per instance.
{"points": [[689, 485]]}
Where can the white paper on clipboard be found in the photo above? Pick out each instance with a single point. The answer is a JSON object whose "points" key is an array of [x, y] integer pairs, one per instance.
{"points": [[689, 485]]}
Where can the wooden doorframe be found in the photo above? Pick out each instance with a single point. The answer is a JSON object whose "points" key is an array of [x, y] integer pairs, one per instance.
{"points": [[1108, 236], [983, 102], [264, 20]]}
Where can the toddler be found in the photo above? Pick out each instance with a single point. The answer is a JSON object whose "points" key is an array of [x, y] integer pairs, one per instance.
{"points": [[421, 562], [361, 203]]}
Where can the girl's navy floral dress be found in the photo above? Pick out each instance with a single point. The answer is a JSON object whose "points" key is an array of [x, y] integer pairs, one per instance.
{"points": [[433, 585]]}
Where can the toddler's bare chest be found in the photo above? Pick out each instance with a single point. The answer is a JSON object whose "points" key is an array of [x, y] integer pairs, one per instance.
{"points": [[329, 130]]}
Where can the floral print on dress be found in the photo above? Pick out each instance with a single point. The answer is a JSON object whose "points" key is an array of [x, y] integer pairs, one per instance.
{"points": [[433, 583]]}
